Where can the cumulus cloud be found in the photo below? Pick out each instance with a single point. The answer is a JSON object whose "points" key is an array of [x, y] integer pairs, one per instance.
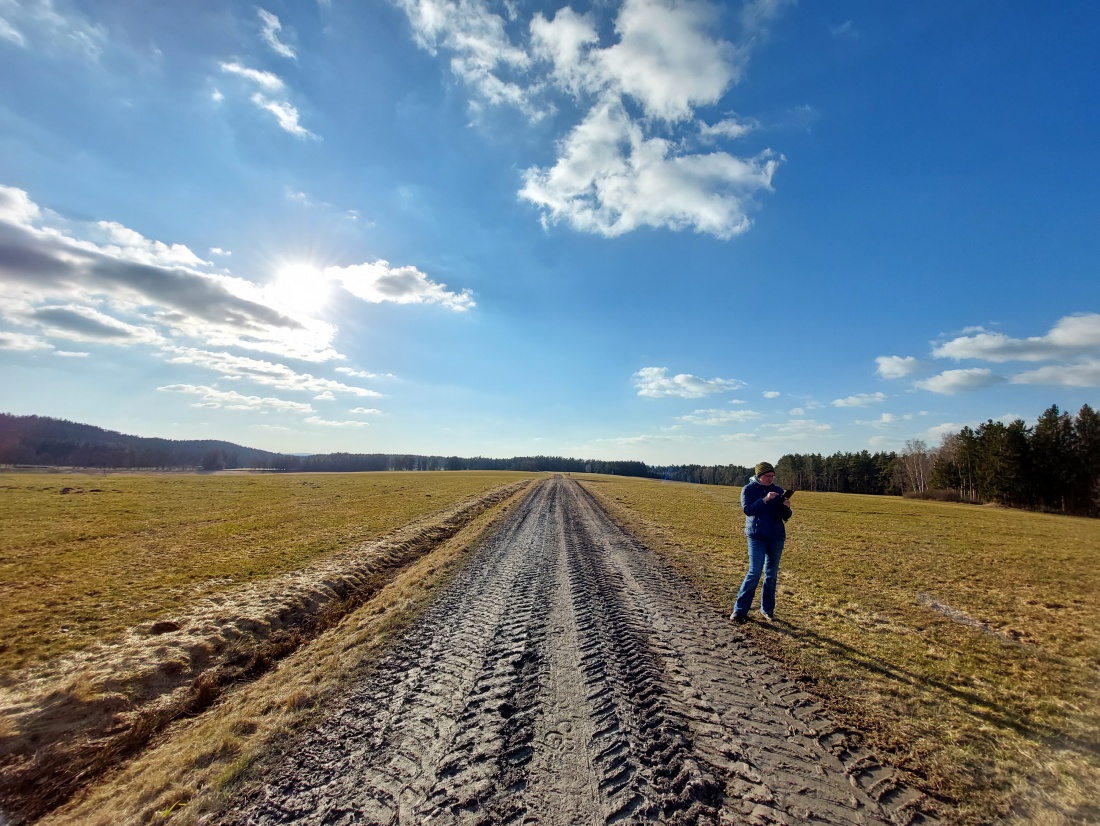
{"points": [[270, 28], [378, 282], [610, 179], [644, 74], [1084, 374], [1073, 342], [365, 411], [950, 382], [860, 400], [232, 400], [772, 394], [655, 383], [1071, 336], [895, 367]]}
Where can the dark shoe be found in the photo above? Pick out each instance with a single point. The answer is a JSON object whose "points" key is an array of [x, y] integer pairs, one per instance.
{"points": [[740, 619]]}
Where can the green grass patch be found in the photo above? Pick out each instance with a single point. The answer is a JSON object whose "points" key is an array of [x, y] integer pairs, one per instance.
{"points": [[85, 557], [963, 640]]}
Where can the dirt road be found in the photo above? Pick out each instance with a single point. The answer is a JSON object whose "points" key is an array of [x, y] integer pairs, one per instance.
{"points": [[568, 676]]}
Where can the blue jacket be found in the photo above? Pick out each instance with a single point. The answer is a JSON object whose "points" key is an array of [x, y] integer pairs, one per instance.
{"points": [[764, 520]]}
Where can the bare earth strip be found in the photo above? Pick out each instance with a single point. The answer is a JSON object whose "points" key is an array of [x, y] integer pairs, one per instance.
{"points": [[569, 676]]}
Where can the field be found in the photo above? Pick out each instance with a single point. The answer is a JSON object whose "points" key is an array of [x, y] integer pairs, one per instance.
{"points": [[135, 601], [84, 557], [964, 640]]}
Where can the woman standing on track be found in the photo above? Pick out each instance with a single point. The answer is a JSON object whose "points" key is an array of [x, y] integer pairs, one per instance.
{"points": [[766, 514]]}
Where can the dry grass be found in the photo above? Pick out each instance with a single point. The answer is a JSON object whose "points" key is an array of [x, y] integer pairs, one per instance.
{"points": [[964, 640], [83, 704], [81, 567], [191, 772]]}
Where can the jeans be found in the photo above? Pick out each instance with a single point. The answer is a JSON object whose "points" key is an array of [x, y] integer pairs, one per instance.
{"points": [[763, 559]]}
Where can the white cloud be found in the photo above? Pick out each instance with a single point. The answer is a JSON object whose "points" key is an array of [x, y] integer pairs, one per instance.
{"points": [[270, 33], [860, 400], [950, 382], [365, 411], [22, 342], [757, 15], [266, 373], [265, 80], [1084, 374], [329, 423], [895, 367], [483, 53], [232, 400], [666, 60], [615, 172], [362, 374], [219, 251], [1072, 336], [379, 282], [285, 114], [729, 128], [325, 396], [129, 245], [39, 21], [655, 383], [138, 282], [772, 394], [610, 179], [103, 281], [10, 33], [718, 417]]}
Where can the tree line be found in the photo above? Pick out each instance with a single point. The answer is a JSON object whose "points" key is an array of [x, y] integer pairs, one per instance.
{"points": [[1053, 466]]}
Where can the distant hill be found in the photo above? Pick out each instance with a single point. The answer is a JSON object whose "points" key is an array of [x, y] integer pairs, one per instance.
{"points": [[39, 440], [42, 441]]}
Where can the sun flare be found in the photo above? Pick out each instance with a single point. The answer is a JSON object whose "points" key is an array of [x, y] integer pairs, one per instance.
{"points": [[300, 287]]}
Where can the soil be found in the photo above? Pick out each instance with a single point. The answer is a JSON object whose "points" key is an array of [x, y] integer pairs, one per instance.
{"points": [[569, 676]]}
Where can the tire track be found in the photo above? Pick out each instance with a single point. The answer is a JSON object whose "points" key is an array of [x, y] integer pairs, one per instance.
{"points": [[568, 676]]}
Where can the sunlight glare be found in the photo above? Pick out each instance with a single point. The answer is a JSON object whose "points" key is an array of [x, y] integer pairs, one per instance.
{"points": [[301, 287]]}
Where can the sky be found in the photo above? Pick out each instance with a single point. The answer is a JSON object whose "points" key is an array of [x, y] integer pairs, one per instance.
{"points": [[671, 231]]}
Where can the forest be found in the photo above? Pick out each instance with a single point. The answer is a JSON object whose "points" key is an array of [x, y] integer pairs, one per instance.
{"points": [[1053, 466]]}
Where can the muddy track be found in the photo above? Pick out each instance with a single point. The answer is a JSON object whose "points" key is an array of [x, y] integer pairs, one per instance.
{"points": [[569, 676]]}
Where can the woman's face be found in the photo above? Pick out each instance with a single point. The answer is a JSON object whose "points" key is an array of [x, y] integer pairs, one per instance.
{"points": [[766, 478]]}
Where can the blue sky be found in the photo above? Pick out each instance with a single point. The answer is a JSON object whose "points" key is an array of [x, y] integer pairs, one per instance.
{"points": [[664, 230]]}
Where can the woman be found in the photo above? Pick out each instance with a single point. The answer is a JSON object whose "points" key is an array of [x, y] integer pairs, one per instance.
{"points": [[766, 514]]}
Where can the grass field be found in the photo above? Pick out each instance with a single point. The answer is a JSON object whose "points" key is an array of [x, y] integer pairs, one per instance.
{"points": [[84, 557], [964, 640]]}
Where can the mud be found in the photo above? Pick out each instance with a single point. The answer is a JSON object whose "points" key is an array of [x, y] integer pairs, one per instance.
{"points": [[569, 676]]}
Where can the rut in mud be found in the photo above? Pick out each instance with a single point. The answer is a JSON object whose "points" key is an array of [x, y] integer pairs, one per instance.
{"points": [[568, 676]]}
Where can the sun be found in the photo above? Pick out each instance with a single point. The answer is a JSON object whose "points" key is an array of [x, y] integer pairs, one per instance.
{"points": [[300, 287]]}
